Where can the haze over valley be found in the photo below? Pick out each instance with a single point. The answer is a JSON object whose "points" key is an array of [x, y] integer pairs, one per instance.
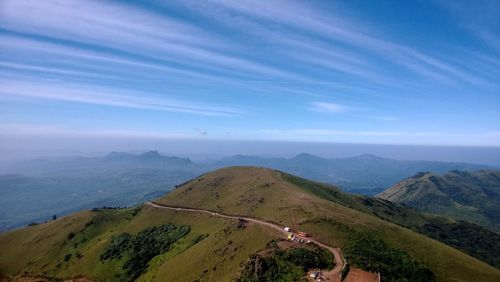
{"points": [[35, 190]]}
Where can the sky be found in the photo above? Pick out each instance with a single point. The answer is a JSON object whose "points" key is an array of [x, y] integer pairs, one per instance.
{"points": [[369, 72]]}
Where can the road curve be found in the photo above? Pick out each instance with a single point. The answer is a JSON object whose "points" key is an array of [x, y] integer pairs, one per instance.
{"points": [[332, 274]]}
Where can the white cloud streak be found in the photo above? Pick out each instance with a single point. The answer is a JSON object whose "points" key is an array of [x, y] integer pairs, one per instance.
{"points": [[109, 97], [192, 51], [302, 17], [43, 130], [328, 107], [127, 29]]}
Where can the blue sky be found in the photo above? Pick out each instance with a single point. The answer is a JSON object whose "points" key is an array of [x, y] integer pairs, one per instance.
{"points": [[384, 72]]}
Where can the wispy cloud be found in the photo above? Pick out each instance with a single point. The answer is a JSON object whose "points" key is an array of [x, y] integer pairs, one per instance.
{"points": [[121, 27], [96, 64], [328, 107], [109, 97], [299, 16], [44, 130], [201, 131], [299, 36]]}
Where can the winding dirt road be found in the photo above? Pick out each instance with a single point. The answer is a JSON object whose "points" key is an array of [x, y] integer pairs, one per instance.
{"points": [[332, 275]]}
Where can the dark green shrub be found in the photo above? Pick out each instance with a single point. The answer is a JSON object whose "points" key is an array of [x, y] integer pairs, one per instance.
{"points": [[67, 257], [143, 246], [373, 254], [285, 265]]}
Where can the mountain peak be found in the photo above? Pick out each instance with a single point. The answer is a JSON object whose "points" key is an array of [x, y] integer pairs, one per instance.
{"points": [[367, 157], [420, 174], [151, 154], [306, 156]]}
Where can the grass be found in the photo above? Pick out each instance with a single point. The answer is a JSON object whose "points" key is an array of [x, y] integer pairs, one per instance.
{"points": [[470, 238], [39, 249], [269, 195], [218, 256]]}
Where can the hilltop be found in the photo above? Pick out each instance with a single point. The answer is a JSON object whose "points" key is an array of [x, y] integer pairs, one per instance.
{"points": [[471, 196], [218, 249]]}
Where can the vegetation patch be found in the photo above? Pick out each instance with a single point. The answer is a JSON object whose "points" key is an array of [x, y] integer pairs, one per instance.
{"points": [[471, 238], [143, 246], [198, 239], [372, 254], [285, 265]]}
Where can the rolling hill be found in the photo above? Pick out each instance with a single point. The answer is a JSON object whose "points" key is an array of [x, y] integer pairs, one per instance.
{"points": [[218, 249], [470, 196]]}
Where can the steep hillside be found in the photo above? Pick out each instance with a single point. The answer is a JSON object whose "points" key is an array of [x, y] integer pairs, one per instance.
{"points": [[473, 239], [104, 244], [323, 210], [471, 196]]}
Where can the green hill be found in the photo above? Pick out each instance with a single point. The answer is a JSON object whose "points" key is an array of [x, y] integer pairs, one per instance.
{"points": [[216, 249], [470, 196]]}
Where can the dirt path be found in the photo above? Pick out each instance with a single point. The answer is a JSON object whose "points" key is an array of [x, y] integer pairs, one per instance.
{"points": [[358, 275], [332, 275]]}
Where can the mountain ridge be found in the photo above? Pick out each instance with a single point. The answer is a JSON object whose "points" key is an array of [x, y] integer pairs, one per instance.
{"points": [[472, 196]]}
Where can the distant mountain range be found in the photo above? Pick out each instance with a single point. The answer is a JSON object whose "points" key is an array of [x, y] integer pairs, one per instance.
{"points": [[365, 174], [37, 189], [113, 160], [471, 196]]}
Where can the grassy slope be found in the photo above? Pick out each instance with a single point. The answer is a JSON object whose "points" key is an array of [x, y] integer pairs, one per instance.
{"points": [[39, 249], [474, 240], [473, 197], [263, 193], [31, 249]]}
